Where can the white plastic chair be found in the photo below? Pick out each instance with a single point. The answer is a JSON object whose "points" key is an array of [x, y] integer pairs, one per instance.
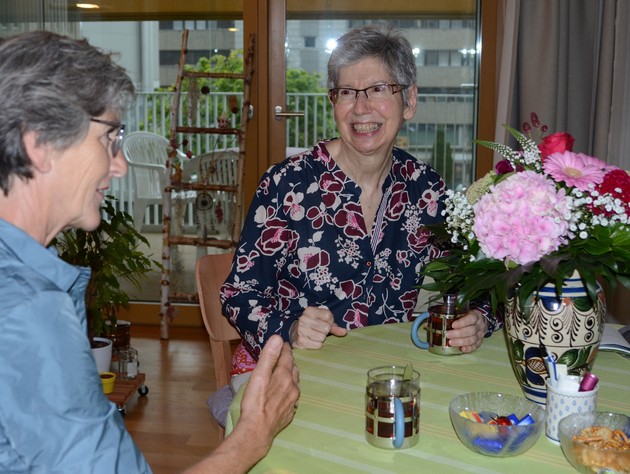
{"points": [[146, 154], [217, 167]]}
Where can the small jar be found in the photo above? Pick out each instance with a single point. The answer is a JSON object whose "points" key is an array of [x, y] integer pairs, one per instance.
{"points": [[128, 363]]}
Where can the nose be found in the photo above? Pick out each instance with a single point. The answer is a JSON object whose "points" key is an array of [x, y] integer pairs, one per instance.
{"points": [[359, 95], [118, 165], [362, 101]]}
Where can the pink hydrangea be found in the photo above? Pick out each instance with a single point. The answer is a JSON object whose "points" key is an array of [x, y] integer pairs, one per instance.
{"points": [[522, 218]]}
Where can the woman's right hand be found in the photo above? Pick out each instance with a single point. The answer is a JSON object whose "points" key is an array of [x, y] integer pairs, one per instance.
{"points": [[312, 328]]}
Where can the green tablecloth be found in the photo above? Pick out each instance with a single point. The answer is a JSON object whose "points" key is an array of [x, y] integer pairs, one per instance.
{"points": [[327, 433]]}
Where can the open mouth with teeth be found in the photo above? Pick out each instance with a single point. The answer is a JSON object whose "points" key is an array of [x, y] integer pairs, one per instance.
{"points": [[365, 127]]}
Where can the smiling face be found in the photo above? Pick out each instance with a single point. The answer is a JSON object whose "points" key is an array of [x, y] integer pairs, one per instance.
{"points": [[371, 127], [84, 171]]}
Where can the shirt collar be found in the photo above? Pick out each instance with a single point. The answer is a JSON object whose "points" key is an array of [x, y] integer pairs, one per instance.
{"points": [[44, 261]]}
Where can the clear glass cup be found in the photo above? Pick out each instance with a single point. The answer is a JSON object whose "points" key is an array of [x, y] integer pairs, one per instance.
{"points": [[392, 407], [128, 363]]}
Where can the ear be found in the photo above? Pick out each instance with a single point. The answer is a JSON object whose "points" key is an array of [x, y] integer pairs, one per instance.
{"points": [[38, 153], [412, 99], [330, 101]]}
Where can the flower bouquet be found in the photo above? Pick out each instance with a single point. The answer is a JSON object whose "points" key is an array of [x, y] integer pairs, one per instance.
{"points": [[537, 235], [542, 214]]}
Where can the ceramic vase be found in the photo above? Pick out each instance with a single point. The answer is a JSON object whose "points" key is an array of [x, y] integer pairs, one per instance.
{"points": [[568, 326]]}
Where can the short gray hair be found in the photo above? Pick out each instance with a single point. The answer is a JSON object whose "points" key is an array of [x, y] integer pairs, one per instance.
{"points": [[384, 42], [52, 85]]}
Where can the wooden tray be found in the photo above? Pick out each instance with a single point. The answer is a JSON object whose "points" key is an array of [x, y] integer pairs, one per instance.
{"points": [[124, 390]]}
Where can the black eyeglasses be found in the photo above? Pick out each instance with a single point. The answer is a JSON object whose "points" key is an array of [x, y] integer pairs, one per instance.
{"points": [[116, 143], [348, 95]]}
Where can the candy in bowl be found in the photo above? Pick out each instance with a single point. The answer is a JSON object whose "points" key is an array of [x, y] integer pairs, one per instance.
{"points": [[496, 424]]}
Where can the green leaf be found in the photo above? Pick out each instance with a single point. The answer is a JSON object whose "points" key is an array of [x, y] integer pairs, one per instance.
{"points": [[568, 358], [112, 253]]}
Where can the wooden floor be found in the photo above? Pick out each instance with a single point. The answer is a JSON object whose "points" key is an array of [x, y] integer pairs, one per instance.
{"points": [[172, 425]]}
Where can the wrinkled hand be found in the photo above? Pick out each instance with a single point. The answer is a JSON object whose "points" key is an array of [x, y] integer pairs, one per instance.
{"points": [[468, 331], [312, 328], [270, 398]]}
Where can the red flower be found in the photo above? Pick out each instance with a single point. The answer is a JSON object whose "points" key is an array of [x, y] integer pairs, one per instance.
{"points": [[312, 258], [274, 237], [287, 292], [350, 289], [409, 300], [556, 143], [617, 184], [398, 201], [357, 315], [350, 219], [419, 238], [504, 167], [330, 186]]}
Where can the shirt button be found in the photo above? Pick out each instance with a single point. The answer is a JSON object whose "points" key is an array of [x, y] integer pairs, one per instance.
{"points": [[369, 264]]}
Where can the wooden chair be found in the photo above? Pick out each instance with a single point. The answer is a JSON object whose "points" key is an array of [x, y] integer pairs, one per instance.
{"points": [[211, 271]]}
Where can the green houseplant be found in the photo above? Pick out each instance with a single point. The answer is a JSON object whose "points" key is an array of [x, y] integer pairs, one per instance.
{"points": [[113, 253]]}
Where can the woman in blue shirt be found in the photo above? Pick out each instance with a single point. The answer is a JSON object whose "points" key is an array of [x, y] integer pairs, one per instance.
{"points": [[60, 137]]}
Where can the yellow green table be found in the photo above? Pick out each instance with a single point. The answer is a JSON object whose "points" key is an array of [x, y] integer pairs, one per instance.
{"points": [[327, 433]]}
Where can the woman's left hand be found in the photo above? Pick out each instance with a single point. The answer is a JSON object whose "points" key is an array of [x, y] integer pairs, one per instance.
{"points": [[468, 331]]}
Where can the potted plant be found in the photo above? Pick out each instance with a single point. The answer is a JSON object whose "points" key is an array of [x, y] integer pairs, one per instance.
{"points": [[538, 234], [112, 252]]}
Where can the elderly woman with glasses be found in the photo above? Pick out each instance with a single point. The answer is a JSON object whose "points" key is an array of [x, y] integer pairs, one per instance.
{"points": [[335, 237], [60, 134]]}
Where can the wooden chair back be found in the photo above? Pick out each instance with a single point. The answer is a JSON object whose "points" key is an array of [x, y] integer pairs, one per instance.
{"points": [[210, 272]]}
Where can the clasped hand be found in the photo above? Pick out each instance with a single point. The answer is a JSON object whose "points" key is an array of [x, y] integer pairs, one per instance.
{"points": [[312, 328]]}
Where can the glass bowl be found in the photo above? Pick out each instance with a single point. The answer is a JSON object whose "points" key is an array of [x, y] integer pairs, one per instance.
{"points": [[591, 458], [493, 439]]}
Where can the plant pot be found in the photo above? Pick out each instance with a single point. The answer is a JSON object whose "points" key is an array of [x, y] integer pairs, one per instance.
{"points": [[108, 380], [568, 326], [102, 353], [121, 335]]}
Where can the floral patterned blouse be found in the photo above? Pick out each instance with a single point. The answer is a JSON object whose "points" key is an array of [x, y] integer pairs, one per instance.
{"points": [[305, 244]]}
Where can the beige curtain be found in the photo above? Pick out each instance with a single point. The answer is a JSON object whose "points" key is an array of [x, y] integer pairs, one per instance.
{"points": [[569, 61]]}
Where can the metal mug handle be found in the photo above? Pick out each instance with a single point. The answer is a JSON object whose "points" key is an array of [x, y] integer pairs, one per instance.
{"points": [[414, 331]]}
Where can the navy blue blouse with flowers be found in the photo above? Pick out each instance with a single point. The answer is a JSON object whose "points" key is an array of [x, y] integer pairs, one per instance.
{"points": [[305, 244]]}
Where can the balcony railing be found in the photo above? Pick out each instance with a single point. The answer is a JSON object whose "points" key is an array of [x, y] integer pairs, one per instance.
{"points": [[441, 133]]}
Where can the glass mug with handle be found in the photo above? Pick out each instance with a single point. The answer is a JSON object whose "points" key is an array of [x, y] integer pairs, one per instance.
{"points": [[439, 319], [392, 407]]}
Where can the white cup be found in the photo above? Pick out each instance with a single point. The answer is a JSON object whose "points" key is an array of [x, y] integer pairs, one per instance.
{"points": [[562, 403]]}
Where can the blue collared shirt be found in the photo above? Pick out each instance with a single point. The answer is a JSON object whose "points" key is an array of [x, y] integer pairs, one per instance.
{"points": [[54, 416]]}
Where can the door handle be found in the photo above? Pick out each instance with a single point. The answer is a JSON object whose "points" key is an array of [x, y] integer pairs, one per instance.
{"points": [[279, 114]]}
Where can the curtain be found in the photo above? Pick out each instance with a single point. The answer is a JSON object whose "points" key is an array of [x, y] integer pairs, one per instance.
{"points": [[569, 62]]}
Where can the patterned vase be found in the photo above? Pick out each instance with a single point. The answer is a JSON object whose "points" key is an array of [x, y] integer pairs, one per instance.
{"points": [[567, 326]]}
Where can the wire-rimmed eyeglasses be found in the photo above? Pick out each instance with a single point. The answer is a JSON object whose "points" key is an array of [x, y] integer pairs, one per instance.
{"points": [[347, 95], [116, 143]]}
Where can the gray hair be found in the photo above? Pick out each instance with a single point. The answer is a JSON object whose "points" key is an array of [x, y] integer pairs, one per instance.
{"points": [[52, 85], [380, 41]]}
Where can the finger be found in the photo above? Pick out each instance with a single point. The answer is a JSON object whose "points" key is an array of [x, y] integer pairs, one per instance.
{"points": [[469, 319], [317, 319], [325, 316], [338, 331], [269, 355], [286, 356]]}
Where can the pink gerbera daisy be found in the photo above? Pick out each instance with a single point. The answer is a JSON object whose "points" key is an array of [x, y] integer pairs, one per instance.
{"points": [[575, 169]]}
